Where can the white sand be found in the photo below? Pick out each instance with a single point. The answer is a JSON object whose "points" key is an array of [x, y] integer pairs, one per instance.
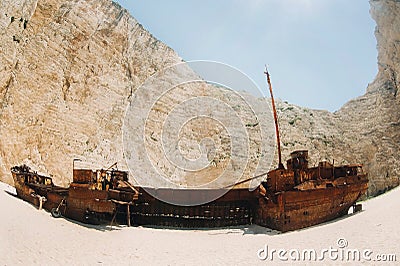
{"points": [[29, 236]]}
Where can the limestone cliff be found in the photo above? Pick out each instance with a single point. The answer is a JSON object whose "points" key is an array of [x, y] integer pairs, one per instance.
{"points": [[69, 68], [371, 123]]}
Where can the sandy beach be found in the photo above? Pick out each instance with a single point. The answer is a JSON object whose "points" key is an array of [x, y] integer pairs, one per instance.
{"points": [[29, 236]]}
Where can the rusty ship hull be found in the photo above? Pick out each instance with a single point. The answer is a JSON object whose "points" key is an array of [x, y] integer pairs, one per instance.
{"points": [[234, 207], [84, 200], [292, 210], [37, 189], [301, 196], [87, 201], [323, 193]]}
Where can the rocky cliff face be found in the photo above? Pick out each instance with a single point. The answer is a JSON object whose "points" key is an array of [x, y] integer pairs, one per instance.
{"points": [[69, 69], [372, 121]]}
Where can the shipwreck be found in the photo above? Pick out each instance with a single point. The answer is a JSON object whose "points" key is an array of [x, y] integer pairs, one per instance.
{"points": [[290, 198]]}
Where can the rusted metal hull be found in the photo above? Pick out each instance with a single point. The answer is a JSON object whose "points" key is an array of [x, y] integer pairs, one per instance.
{"points": [[78, 202], [279, 203], [292, 210], [31, 191], [235, 207]]}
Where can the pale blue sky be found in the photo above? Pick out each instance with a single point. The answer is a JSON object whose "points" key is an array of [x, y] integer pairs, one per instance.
{"points": [[321, 53]]}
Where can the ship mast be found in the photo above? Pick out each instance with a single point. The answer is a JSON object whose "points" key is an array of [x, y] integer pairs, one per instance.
{"points": [[280, 165]]}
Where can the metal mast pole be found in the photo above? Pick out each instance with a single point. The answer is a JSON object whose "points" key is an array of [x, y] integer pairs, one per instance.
{"points": [[280, 165]]}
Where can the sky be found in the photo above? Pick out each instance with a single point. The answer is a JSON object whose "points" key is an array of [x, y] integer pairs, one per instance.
{"points": [[320, 53]]}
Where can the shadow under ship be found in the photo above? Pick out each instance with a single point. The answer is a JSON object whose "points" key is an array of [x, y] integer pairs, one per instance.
{"points": [[290, 198]]}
